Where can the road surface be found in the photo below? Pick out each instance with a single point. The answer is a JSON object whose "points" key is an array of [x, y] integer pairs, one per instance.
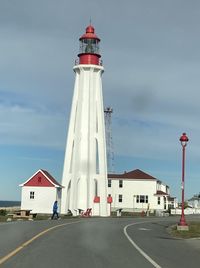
{"points": [[96, 243]]}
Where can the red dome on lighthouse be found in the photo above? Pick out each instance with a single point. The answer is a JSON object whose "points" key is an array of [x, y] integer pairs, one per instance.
{"points": [[89, 47], [90, 33]]}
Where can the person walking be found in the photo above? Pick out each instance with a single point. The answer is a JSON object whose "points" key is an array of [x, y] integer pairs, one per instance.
{"points": [[55, 210]]}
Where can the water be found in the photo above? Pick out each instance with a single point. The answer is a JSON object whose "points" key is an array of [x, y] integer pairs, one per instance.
{"points": [[10, 203]]}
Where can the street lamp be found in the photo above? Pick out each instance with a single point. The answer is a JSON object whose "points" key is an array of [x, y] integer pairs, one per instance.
{"points": [[182, 224]]}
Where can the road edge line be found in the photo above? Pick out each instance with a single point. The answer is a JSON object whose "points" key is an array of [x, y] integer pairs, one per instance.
{"points": [[145, 255]]}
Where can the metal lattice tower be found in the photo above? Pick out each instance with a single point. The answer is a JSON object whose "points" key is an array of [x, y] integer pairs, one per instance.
{"points": [[109, 141]]}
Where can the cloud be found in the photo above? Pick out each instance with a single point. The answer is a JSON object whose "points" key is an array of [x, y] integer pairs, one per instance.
{"points": [[25, 126]]}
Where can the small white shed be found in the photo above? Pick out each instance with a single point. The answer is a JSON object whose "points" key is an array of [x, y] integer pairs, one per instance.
{"points": [[39, 193]]}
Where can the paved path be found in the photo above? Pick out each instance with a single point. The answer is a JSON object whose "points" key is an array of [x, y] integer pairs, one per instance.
{"points": [[96, 243]]}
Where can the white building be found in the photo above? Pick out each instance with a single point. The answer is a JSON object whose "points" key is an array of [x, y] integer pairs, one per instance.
{"points": [[137, 191], [39, 193], [194, 202], [133, 191]]}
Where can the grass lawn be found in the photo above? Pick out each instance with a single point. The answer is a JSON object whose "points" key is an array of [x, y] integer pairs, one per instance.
{"points": [[194, 231], [3, 218]]}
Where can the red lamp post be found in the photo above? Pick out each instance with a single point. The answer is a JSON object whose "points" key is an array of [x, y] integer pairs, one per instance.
{"points": [[183, 139]]}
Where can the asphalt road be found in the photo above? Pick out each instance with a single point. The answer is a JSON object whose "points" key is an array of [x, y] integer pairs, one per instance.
{"points": [[96, 243]]}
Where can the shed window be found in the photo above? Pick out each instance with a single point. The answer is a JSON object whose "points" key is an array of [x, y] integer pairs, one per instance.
{"points": [[32, 195]]}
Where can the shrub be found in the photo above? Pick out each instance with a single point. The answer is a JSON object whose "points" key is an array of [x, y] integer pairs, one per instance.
{"points": [[3, 212]]}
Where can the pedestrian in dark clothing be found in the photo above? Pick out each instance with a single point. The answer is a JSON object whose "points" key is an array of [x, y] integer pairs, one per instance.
{"points": [[55, 210]]}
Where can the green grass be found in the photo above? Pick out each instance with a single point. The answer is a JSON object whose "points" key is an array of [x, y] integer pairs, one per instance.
{"points": [[3, 218], [194, 231]]}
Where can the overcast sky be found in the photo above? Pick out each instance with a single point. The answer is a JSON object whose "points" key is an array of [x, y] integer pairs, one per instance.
{"points": [[150, 52]]}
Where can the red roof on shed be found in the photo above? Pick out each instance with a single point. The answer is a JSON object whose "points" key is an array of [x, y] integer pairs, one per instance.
{"points": [[41, 179]]}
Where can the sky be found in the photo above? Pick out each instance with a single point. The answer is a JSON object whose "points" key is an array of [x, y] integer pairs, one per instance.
{"points": [[150, 52]]}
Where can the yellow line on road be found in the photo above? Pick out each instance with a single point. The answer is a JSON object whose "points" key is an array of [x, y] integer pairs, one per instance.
{"points": [[15, 251]]}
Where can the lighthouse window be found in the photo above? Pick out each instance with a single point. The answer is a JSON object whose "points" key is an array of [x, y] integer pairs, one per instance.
{"points": [[97, 157], [95, 188], [89, 46], [71, 160], [32, 195]]}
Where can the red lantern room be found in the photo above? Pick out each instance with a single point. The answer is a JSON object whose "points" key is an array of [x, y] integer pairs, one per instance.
{"points": [[89, 47]]}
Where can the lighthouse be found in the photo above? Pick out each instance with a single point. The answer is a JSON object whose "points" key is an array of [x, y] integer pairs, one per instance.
{"points": [[85, 165]]}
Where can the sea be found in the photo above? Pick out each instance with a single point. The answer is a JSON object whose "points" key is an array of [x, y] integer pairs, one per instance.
{"points": [[10, 203]]}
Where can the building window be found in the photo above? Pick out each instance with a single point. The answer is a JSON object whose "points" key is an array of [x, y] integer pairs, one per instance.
{"points": [[32, 195], [158, 185], [120, 198], [158, 200], [109, 183], [165, 202], [120, 183], [142, 199]]}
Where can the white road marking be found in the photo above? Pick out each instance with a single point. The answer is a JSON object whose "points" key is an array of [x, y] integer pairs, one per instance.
{"points": [[149, 259], [144, 229]]}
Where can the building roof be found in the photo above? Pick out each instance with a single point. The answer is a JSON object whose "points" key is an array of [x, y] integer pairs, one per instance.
{"points": [[171, 198], [161, 193], [194, 198], [41, 178], [136, 174], [52, 179]]}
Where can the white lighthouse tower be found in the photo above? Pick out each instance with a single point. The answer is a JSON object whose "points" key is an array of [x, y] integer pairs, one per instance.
{"points": [[85, 166]]}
